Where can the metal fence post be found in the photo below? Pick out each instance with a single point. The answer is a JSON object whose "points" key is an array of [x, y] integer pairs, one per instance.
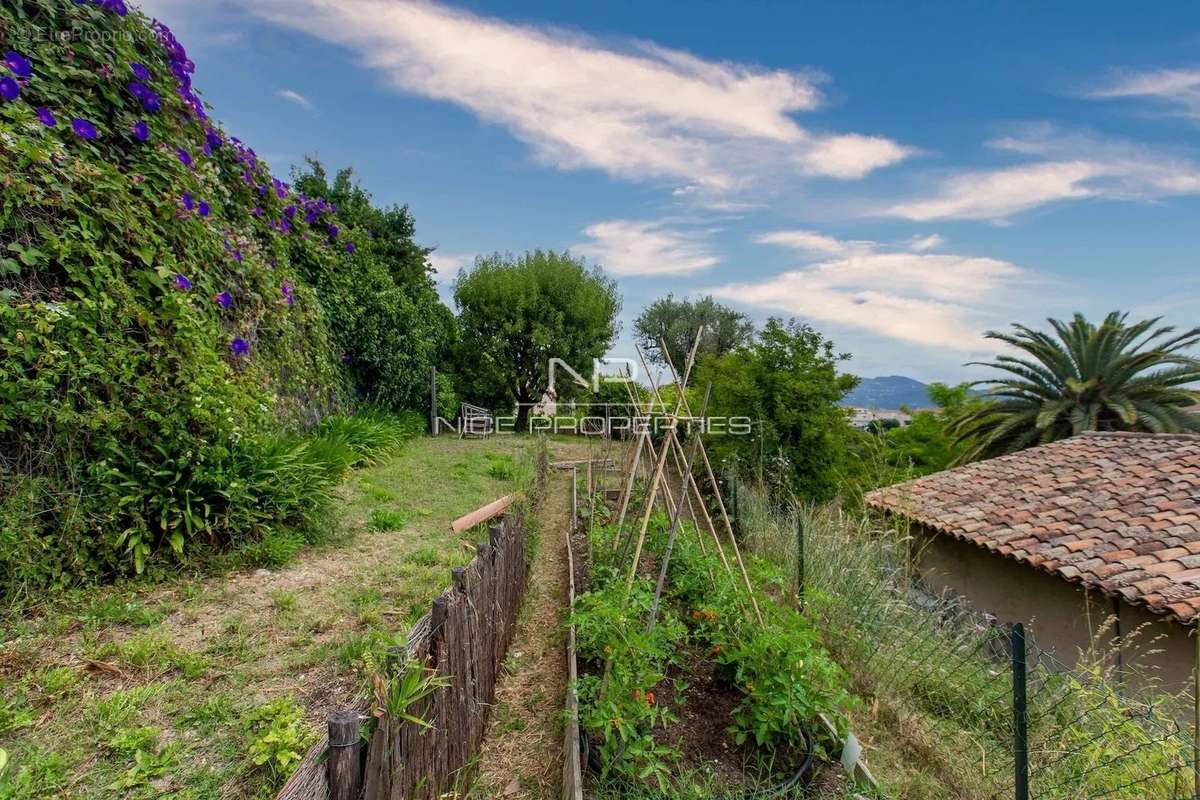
{"points": [[1020, 714], [800, 560]]}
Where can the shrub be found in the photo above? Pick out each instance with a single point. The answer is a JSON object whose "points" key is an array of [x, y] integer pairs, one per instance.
{"points": [[172, 315]]}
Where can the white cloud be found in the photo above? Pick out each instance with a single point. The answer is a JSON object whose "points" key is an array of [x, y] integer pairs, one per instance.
{"points": [[633, 247], [1071, 167], [920, 244], [819, 244], [448, 265], [1178, 89], [812, 242], [295, 97], [637, 111], [927, 299]]}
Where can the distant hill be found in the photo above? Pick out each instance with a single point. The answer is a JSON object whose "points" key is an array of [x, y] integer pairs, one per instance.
{"points": [[889, 391]]}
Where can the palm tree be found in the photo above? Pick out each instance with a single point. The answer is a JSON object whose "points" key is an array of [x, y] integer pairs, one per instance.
{"points": [[1108, 377]]}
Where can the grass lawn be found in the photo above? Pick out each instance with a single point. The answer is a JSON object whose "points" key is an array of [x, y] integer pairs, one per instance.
{"points": [[175, 689]]}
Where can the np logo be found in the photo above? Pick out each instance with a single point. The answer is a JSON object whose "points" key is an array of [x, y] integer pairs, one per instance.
{"points": [[627, 375]]}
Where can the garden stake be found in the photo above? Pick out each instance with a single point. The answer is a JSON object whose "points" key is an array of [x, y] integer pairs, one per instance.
{"points": [[691, 478], [658, 471], [666, 559], [737, 551]]}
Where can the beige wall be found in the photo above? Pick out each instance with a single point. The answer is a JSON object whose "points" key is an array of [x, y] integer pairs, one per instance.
{"points": [[1064, 617]]}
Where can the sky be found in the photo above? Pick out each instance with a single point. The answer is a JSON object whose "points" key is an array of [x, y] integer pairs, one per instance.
{"points": [[902, 176]]}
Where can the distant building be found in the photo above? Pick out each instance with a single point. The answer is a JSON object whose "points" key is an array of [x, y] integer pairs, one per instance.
{"points": [[1101, 526], [863, 417]]}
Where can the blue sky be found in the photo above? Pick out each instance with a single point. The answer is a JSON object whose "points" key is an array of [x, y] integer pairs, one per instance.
{"points": [[902, 176]]}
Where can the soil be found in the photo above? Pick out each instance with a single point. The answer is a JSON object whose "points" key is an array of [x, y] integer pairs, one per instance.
{"points": [[703, 714]]}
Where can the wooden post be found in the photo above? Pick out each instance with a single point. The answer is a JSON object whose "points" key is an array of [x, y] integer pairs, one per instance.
{"points": [[344, 767], [433, 408]]}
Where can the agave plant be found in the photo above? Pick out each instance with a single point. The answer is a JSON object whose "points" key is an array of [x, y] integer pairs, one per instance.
{"points": [[1113, 376]]}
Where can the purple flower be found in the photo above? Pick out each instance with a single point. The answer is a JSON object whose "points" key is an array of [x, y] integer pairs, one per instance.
{"points": [[187, 201], [139, 90], [18, 63], [139, 71], [333, 231], [10, 90], [223, 299], [116, 6], [141, 131], [152, 103], [204, 209], [46, 118], [285, 289], [257, 211], [213, 139], [290, 212], [350, 248], [83, 129], [185, 157], [181, 283], [239, 347]]}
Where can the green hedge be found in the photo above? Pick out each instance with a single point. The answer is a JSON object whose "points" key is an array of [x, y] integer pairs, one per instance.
{"points": [[171, 315]]}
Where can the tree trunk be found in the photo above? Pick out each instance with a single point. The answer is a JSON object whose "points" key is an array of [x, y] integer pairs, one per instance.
{"points": [[523, 409]]}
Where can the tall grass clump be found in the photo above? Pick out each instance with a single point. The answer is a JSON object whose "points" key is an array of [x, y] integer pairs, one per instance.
{"points": [[931, 663]]}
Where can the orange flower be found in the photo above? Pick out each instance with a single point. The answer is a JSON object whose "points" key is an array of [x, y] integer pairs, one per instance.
{"points": [[715, 650], [649, 698]]}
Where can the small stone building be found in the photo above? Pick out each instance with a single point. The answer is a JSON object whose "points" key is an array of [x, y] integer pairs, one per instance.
{"points": [[1092, 541]]}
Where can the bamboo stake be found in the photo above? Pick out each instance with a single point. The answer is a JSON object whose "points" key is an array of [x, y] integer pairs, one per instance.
{"points": [[658, 471], [666, 560], [695, 486], [737, 551]]}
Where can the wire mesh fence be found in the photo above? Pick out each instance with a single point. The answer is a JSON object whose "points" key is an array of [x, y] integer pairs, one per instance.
{"points": [[1016, 719]]}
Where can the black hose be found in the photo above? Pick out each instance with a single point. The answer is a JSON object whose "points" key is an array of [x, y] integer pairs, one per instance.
{"points": [[592, 759]]}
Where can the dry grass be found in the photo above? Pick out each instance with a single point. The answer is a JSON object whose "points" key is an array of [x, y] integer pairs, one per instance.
{"points": [[173, 669], [522, 755]]}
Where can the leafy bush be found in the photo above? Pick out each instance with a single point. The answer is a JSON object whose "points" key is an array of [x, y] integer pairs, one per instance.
{"points": [[277, 737], [172, 315]]}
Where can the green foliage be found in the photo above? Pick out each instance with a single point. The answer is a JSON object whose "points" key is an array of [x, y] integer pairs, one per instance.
{"points": [[518, 313], [277, 737], [132, 435], [785, 676], [388, 322], [676, 322], [1115, 376], [388, 519], [788, 383]]}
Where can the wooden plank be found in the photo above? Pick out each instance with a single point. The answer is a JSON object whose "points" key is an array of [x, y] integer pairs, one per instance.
{"points": [[481, 515]]}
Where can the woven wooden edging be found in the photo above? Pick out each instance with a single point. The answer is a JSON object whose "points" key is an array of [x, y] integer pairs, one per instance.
{"points": [[463, 638]]}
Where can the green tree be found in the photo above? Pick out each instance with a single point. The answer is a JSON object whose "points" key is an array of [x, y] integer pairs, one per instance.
{"points": [[676, 322], [518, 313], [789, 383], [926, 445], [390, 324], [1114, 376]]}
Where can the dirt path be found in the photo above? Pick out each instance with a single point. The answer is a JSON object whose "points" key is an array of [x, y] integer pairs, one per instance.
{"points": [[522, 756]]}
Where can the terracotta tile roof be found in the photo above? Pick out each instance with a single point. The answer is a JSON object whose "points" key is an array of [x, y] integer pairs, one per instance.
{"points": [[1118, 512]]}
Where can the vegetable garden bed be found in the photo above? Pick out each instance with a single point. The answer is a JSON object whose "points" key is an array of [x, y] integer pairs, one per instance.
{"points": [[700, 699]]}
